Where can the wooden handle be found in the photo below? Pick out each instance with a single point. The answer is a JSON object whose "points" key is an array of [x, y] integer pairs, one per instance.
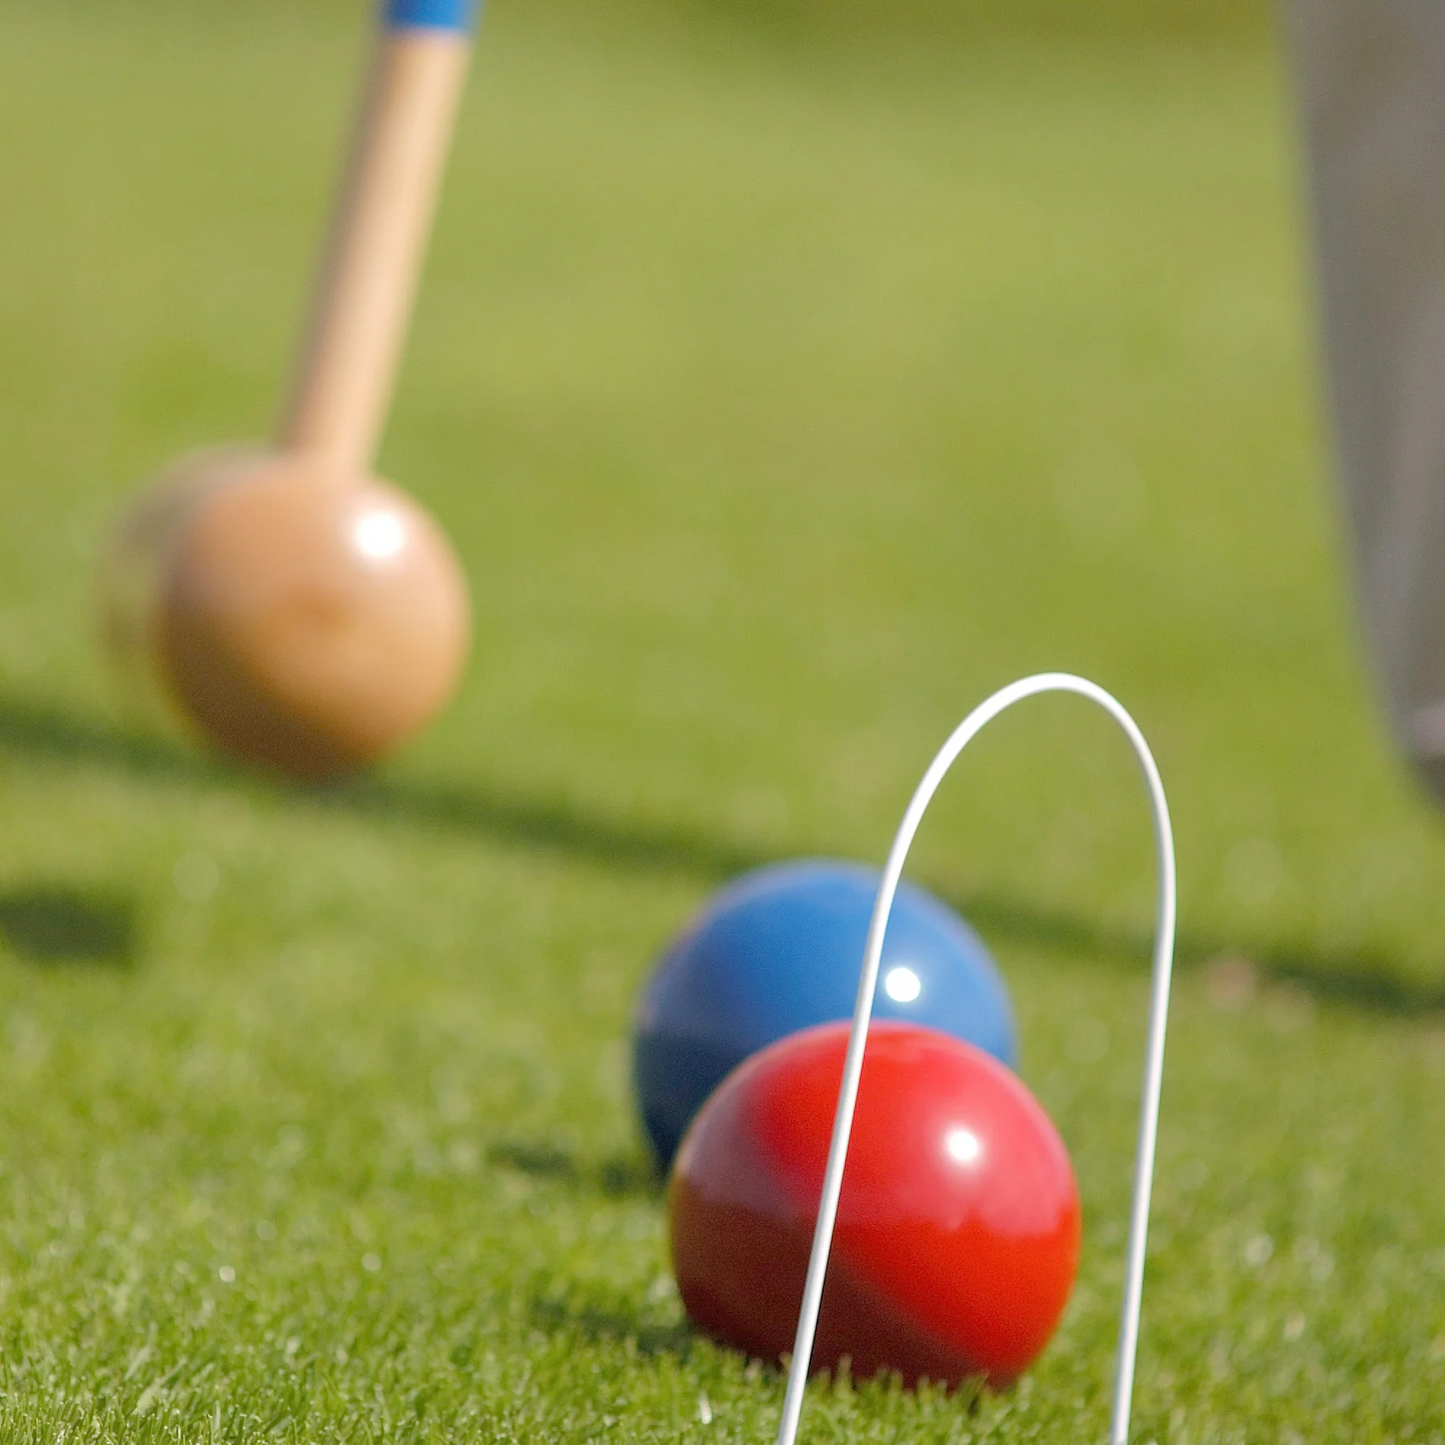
{"points": [[339, 400]]}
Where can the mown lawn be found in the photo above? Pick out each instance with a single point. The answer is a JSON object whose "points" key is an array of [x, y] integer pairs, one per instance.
{"points": [[782, 400]]}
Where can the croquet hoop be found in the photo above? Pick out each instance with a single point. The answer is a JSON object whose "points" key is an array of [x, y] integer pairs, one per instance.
{"points": [[1163, 967]]}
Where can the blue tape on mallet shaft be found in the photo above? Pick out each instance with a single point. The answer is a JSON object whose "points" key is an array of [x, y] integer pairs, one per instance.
{"points": [[431, 14]]}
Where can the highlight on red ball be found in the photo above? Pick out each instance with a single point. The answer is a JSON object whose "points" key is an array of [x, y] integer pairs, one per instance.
{"points": [[958, 1230]]}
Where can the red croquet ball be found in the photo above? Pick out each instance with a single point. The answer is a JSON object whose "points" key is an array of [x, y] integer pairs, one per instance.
{"points": [[958, 1230]]}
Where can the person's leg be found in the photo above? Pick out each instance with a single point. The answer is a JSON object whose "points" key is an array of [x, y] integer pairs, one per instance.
{"points": [[1373, 90]]}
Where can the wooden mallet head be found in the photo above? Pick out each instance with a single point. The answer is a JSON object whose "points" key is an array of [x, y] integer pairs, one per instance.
{"points": [[305, 615]]}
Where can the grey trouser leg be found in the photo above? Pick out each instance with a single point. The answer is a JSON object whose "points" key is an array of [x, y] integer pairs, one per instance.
{"points": [[1373, 88]]}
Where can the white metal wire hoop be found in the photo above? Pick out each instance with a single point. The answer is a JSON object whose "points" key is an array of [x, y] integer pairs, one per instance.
{"points": [[1163, 967]]}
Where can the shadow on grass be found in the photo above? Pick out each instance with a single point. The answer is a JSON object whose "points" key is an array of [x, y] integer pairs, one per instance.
{"points": [[44, 731], [605, 1321], [1366, 981], [58, 925], [618, 1176]]}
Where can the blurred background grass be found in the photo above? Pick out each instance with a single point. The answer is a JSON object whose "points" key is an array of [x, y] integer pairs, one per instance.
{"points": [[842, 21], [834, 21], [786, 381]]}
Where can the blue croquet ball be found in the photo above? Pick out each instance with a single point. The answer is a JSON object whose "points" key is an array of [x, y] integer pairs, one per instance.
{"points": [[780, 950]]}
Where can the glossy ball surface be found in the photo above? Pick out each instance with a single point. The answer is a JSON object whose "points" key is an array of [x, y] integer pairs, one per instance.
{"points": [[307, 622], [958, 1229], [780, 950]]}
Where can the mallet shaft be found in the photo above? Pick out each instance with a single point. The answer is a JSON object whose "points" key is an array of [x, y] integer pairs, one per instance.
{"points": [[372, 263]]}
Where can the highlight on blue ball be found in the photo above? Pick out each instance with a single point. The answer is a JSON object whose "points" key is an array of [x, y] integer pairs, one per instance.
{"points": [[781, 949], [430, 14]]}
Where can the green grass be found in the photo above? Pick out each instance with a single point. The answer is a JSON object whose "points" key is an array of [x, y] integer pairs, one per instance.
{"points": [[781, 400]]}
